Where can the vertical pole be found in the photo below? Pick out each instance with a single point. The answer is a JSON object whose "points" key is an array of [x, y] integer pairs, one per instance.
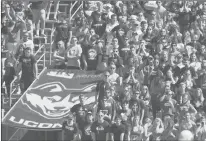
{"points": [[45, 135], [2, 114], [50, 48], [44, 55], [70, 11], [10, 93]]}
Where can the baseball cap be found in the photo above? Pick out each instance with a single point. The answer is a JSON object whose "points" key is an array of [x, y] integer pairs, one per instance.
{"points": [[136, 23], [89, 113], [133, 17], [107, 5], [25, 33], [100, 41]]}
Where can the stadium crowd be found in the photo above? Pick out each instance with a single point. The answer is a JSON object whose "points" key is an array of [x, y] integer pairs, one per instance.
{"points": [[152, 54]]}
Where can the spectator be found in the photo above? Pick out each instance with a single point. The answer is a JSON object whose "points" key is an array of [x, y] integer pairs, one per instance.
{"points": [[73, 54], [117, 130], [27, 63], [63, 30], [10, 68], [100, 128], [26, 42], [39, 16], [86, 130], [70, 129], [59, 55]]}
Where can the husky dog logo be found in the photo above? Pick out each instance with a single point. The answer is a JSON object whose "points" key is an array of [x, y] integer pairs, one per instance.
{"points": [[54, 101]]}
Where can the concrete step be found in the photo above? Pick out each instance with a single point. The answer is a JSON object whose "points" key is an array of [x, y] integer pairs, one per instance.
{"points": [[7, 132], [19, 134]]}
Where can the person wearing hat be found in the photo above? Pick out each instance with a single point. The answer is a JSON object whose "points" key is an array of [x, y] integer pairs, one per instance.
{"points": [[69, 129], [135, 33]]}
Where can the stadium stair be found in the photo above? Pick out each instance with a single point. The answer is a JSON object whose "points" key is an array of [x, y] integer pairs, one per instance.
{"points": [[16, 134]]}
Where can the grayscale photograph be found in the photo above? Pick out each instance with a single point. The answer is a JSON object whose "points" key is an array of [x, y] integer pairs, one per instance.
{"points": [[130, 70]]}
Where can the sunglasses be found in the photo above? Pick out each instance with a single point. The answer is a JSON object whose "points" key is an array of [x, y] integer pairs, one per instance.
{"points": [[112, 68]]}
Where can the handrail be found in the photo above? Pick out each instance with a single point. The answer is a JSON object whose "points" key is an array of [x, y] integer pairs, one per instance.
{"points": [[51, 45], [73, 5], [53, 29], [39, 49], [15, 79], [81, 5]]}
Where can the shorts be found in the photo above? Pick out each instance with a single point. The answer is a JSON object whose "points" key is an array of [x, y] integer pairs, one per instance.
{"points": [[37, 14], [25, 82]]}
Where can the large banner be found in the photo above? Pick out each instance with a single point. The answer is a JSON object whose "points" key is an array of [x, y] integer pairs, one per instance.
{"points": [[47, 102]]}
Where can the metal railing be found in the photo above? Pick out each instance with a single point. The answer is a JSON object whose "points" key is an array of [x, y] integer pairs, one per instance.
{"points": [[51, 45], [53, 29], [14, 88], [80, 6]]}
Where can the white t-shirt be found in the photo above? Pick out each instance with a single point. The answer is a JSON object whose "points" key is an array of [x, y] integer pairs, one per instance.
{"points": [[160, 12], [113, 78], [73, 51], [28, 43]]}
